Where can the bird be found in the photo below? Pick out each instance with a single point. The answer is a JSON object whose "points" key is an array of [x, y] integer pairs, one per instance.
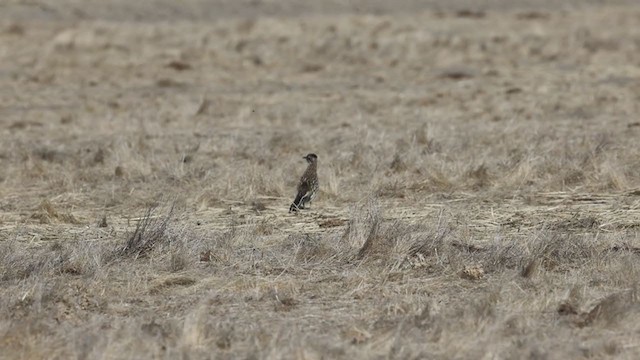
{"points": [[308, 185]]}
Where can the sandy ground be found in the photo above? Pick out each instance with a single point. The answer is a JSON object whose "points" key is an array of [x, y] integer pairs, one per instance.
{"points": [[479, 167]]}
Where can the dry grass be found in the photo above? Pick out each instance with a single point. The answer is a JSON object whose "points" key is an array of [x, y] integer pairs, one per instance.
{"points": [[479, 177]]}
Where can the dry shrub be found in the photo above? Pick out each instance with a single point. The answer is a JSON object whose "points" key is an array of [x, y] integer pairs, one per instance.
{"points": [[576, 222], [431, 241], [374, 241], [503, 255], [479, 177], [149, 233], [188, 247], [549, 249], [47, 213], [530, 269], [392, 188], [356, 336], [72, 257], [607, 311], [485, 306], [86, 258], [163, 284], [560, 251], [435, 181], [397, 244], [284, 301], [612, 308], [397, 165], [50, 155], [16, 263], [314, 250], [178, 259], [179, 248]]}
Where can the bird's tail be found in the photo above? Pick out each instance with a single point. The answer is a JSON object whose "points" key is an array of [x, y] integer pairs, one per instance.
{"points": [[295, 206]]}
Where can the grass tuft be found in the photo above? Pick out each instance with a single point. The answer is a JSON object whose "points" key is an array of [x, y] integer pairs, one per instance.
{"points": [[150, 232]]}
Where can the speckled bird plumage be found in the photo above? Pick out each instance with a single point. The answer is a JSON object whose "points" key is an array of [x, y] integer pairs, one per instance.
{"points": [[308, 185]]}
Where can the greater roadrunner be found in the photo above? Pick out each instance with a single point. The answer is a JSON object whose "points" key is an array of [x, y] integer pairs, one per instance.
{"points": [[308, 185]]}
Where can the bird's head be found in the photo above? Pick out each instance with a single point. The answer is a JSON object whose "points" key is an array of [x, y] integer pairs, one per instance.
{"points": [[311, 158]]}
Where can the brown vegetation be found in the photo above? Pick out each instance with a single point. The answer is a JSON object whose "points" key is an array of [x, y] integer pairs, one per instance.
{"points": [[479, 175]]}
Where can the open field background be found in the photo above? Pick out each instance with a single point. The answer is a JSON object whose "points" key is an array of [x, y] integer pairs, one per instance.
{"points": [[479, 165]]}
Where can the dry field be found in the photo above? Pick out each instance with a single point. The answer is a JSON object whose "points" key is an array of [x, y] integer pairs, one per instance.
{"points": [[479, 164]]}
